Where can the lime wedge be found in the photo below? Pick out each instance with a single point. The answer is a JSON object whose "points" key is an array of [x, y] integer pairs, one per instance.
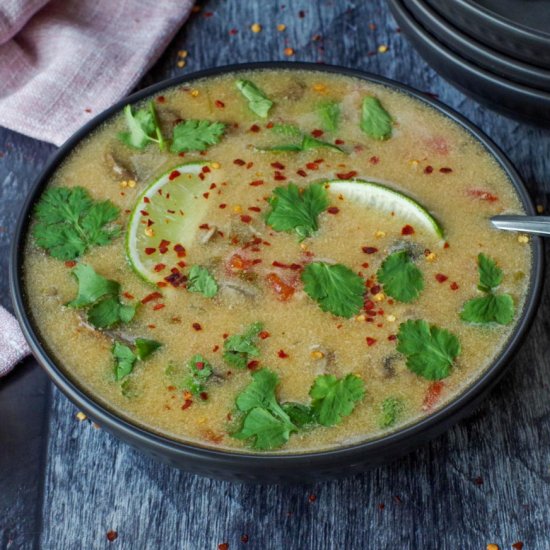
{"points": [[165, 221], [383, 198]]}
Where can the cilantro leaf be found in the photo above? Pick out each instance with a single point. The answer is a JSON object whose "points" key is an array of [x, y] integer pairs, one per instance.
{"points": [[196, 135], [287, 130], [295, 209], [201, 370], [334, 398], [91, 286], [69, 222], [265, 421], [329, 114], [492, 308], [310, 142], [143, 128], [375, 120], [400, 277], [125, 359], [430, 351], [201, 281], [490, 275], [390, 411], [300, 415], [110, 312], [336, 288], [238, 349], [258, 102], [145, 347]]}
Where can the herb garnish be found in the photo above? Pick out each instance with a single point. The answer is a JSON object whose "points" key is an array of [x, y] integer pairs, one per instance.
{"points": [[143, 128], [401, 278], [145, 347], [101, 297], [335, 287], [390, 411], [296, 209], [125, 358], [265, 421], [69, 222], [258, 102], [200, 371], [375, 120], [239, 348], [307, 142], [196, 135], [491, 308], [430, 350], [200, 280], [329, 114]]}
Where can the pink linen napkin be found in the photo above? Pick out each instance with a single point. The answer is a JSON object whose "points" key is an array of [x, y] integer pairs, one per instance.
{"points": [[74, 58], [64, 61]]}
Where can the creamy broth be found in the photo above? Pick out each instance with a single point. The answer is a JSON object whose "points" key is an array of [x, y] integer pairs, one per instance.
{"points": [[428, 157]]}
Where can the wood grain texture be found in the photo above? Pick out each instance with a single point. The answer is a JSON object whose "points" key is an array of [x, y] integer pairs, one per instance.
{"points": [[486, 480]]}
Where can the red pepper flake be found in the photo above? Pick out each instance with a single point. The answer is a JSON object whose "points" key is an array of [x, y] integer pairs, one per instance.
{"points": [[365, 265], [482, 195], [433, 394], [206, 195], [204, 226], [369, 305], [186, 404], [112, 536], [256, 183], [369, 249], [233, 32], [163, 246], [179, 250], [279, 177], [176, 279], [203, 395], [440, 278], [445, 170], [254, 208], [333, 210], [478, 480], [215, 348], [446, 245], [302, 173], [375, 289], [128, 296], [205, 169], [255, 128], [223, 205], [454, 286], [317, 133], [196, 326], [144, 212], [264, 334], [312, 498], [346, 175], [174, 174], [151, 297], [381, 506], [219, 104], [282, 354], [374, 160], [252, 365], [277, 165], [244, 539], [70, 263], [428, 170], [339, 142], [239, 162], [392, 337], [294, 267], [223, 546], [518, 545], [156, 307], [245, 218], [312, 166], [161, 99], [407, 230], [370, 341]]}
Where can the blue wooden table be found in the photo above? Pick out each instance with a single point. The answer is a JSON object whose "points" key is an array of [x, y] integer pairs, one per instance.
{"points": [[65, 484]]}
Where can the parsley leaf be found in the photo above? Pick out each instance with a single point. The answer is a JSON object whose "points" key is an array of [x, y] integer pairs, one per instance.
{"points": [[69, 222], [375, 120], [491, 308], [401, 278], [390, 411], [143, 128], [335, 287], [201, 281], [196, 135], [296, 209], [101, 296], [265, 422], [490, 275], [145, 347], [238, 349], [201, 370], [329, 114], [335, 398], [430, 351], [125, 359], [258, 102]]}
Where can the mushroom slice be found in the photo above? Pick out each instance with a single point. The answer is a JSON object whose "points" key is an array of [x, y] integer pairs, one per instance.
{"points": [[323, 358], [118, 168]]}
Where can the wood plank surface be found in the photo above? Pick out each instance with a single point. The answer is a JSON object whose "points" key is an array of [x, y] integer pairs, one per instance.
{"points": [[487, 480]]}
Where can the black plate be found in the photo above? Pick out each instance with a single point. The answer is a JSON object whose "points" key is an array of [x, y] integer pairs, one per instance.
{"points": [[498, 63], [270, 467], [520, 28], [514, 100]]}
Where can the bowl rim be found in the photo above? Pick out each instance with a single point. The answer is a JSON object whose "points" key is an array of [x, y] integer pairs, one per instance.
{"points": [[127, 430]]}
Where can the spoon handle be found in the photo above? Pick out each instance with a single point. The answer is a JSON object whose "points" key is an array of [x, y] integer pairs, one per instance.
{"points": [[538, 225]]}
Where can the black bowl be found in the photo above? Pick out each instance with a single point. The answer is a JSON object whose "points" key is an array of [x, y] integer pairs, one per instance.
{"points": [[270, 467], [514, 100], [518, 28], [463, 45]]}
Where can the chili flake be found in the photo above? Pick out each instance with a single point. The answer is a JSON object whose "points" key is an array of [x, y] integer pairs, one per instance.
{"points": [[454, 286], [369, 249], [196, 326], [333, 210], [174, 174], [428, 170], [112, 536], [370, 341], [282, 354], [407, 230], [440, 278]]}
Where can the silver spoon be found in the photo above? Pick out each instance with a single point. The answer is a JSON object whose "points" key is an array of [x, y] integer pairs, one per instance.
{"points": [[537, 225]]}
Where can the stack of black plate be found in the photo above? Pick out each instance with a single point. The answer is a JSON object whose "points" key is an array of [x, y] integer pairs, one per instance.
{"points": [[496, 51]]}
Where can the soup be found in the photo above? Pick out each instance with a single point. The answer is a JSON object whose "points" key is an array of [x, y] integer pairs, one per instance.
{"points": [[278, 260]]}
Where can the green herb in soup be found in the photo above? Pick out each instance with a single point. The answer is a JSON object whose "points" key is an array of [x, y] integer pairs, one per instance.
{"points": [[277, 261]]}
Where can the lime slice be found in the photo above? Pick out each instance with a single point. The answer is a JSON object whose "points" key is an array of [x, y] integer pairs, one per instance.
{"points": [[385, 199], [165, 221]]}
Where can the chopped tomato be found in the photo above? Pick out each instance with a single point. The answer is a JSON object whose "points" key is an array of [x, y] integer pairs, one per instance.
{"points": [[283, 290], [433, 395]]}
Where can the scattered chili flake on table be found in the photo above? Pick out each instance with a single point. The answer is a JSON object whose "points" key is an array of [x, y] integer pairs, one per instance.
{"points": [[312, 498], [478, 480], [112, 535], [518, 545], [244, 539], [289, 52]]}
